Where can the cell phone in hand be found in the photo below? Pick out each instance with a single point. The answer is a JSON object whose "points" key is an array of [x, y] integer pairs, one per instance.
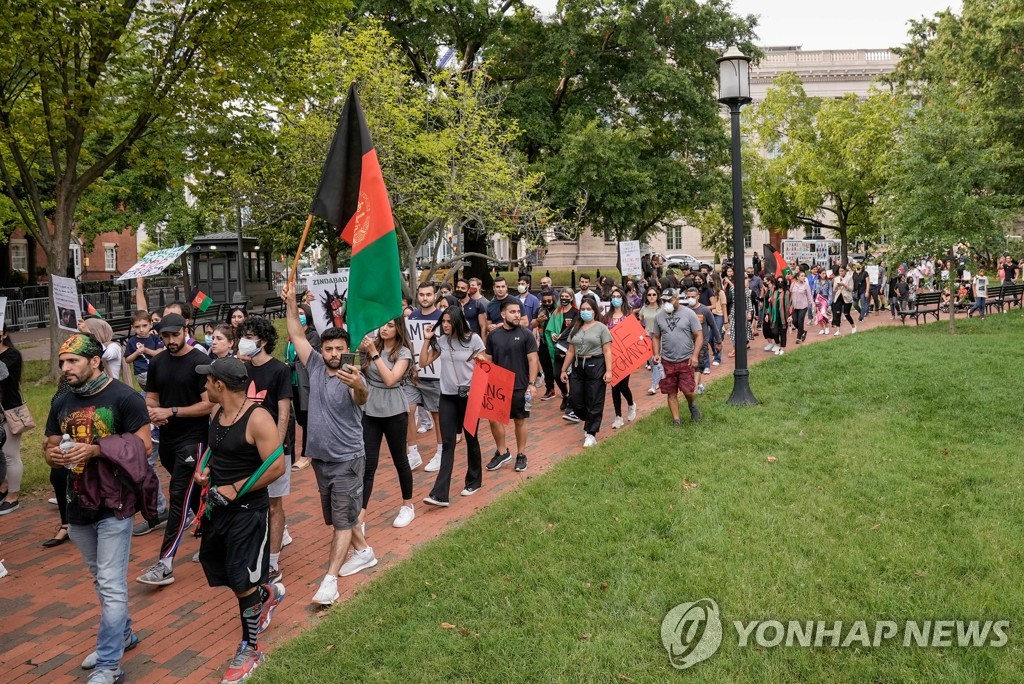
{"points": [[353, 359]]}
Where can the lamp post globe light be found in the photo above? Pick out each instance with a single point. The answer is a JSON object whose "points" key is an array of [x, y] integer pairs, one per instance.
{"points": [[734, 90]]}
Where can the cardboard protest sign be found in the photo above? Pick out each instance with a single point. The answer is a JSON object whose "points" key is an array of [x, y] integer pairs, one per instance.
{"points": [[154, 262], [631, 347], [414, 329], [330, 299], [65, 300], [490, 395], [629, 256]]}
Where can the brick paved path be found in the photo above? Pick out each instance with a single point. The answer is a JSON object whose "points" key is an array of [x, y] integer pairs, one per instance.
{"points": [[49, 611]]}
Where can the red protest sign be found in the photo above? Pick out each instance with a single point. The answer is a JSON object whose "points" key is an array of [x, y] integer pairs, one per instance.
{"points": [[490, 395], [631, 347]]}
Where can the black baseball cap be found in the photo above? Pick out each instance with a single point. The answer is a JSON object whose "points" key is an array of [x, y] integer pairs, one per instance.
{"points": [[229, 369], [668, 294], [171, 323]]}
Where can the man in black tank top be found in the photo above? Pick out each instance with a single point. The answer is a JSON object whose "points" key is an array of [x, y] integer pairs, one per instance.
{"points": [[235, 549]]}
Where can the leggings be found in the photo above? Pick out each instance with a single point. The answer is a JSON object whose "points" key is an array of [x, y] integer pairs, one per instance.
{"points": [[59, 480], [559, 363], [840, 308], [549, 372], [798, 320], [12, 455], [452, 414], [393, 429], [618, 392]]}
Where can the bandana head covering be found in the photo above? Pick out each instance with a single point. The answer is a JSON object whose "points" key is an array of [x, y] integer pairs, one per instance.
{"points": [[82, 345]]}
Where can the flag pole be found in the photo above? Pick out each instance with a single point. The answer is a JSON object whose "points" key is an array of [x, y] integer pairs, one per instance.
{"points": [[298, 253]]}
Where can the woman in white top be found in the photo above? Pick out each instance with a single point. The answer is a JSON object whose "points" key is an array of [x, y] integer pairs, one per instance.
{"points": [[113, 357], [455, 346], [842, 300]]}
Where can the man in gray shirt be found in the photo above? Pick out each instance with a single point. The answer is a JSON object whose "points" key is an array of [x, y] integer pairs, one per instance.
{"points": [[676, 335], [337, 393]]}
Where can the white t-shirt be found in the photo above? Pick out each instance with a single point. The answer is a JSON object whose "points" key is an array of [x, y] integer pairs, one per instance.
{"points": [[112, 360], [980, 286]]}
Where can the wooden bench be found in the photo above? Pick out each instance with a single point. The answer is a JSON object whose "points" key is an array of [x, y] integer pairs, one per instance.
{"points": [[273, 307], [1004, 297], [927, 305], [215, 314], [122, 327]]}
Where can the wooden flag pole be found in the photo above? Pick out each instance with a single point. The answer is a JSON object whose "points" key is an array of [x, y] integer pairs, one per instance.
{"points": [[302, 245]]}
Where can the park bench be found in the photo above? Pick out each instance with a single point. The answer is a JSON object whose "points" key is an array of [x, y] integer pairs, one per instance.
{"points": [[122, 327], [215, 314], [927, 305], [273, 307], [1004, 297]]}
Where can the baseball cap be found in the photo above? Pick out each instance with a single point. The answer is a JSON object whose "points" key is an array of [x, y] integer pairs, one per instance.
{"points": [[668, 293], [171, 323], [228, 369]]}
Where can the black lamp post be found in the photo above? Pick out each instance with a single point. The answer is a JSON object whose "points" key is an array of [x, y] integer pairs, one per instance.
{"points": [[734, 90]]}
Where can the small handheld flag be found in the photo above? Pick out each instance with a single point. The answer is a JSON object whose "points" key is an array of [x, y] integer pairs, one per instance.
{"points": [[201, 300], [90, 310]]}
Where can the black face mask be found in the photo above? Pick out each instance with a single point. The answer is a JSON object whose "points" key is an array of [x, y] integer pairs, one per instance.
{"points": [[549, 305], [460, 294], [565, 302]]}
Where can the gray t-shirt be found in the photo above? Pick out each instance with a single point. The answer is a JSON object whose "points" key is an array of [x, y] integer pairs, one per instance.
{"points": [[386, 401], [591, 342], [677, 331], [334, 426], [456, 366]]}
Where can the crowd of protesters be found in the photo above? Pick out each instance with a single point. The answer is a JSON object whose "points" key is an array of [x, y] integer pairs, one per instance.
{"points": [[228, 423]]}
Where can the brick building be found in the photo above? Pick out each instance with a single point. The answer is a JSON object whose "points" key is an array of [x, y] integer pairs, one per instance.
{"points": [[111, 255]]}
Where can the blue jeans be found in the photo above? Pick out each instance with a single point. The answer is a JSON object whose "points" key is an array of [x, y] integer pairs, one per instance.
{"points": [[862, 305], [105, 546], [720, 322], [979, 305]]}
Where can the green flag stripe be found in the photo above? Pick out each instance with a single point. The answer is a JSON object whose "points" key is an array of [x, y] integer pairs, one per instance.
{"points": [[375, 287]]}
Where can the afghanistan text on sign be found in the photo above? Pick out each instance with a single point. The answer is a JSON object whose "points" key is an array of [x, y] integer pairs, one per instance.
{"points": [[490, 395], [631, 347]]}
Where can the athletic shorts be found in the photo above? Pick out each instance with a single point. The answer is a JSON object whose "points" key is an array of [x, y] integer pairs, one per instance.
{"points": [[235, 548], [282, 486], [341, 490], [426, 394], [678, 377], [519, 405]]}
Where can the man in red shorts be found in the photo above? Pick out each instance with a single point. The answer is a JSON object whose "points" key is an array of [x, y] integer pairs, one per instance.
{"points": [[677, 336]]}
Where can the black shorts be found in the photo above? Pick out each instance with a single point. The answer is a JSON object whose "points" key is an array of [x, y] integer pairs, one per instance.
{"points": [[519, 411], [235, 548]]}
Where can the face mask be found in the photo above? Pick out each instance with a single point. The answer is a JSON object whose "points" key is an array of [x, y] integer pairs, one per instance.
{"points": [[587, 315], [209, 340], [565, 302], [691, 301], [669, 307], [459, 294], [302, 319], [616, 301], [247, 347], [549, 305], [522, 289]]}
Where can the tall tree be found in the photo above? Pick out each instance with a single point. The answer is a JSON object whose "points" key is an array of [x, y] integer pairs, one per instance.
{"points": [[820, 163], [942, 196], [82, 84]]}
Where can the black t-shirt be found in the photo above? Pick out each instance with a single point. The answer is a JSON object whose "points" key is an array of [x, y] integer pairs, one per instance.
{"points": [[115, 410], [902, 289], [175, 379], [494, 308], [10, 387], [233, 460], [860, 279], [268, 384], [472, 310], [509, 348]]}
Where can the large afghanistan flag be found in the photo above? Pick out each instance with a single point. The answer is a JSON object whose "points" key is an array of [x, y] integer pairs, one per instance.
{"points": [[774, 264], [352, 197]]}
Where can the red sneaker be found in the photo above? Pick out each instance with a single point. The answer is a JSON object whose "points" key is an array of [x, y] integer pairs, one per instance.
{"points": [[277, 593], [548, 395], [247, 659]]}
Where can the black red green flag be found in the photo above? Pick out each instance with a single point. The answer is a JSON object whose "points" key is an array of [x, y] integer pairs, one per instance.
{"points": [[90, 310], [774, 264], [352, 198]]}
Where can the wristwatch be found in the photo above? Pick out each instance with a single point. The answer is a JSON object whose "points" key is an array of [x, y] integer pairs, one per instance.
{"points": [[174, 411], [375, 357]]}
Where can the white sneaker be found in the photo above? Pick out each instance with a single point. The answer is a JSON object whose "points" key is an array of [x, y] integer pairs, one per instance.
{"points": [[327, 594], [768, 347], [618, 423], [700, 388], [406, 514], [286, 538], [775, 348], [426, 424], [631, 413], [836, 334], [854, 331], [780, 352], [415, 460], [652, 391], [358, 560], [590, 440], [707, 371], [715, 363], [435, 463], [827, 330]]}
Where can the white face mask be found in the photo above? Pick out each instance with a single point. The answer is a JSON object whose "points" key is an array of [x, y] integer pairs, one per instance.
{"points": [[669, 307], [522, 289], [690, 301], [247, 347]]}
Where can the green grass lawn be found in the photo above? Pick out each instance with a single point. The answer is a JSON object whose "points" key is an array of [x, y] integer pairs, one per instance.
{"points": [[895, 495]]}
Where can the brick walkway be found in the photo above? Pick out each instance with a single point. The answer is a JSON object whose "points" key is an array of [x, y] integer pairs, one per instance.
{"points": [[49, 611]]}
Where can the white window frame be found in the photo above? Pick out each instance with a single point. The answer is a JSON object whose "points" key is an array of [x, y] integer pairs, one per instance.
{"points": [[109, 258], [673, 238], [19, 252]]}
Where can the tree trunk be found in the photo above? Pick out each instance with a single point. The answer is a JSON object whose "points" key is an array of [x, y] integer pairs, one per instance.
{"points": [[844, 246], [475, 240], [57, 257], [952, 300]]}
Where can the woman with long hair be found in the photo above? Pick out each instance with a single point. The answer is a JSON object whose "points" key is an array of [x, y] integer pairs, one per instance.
{"points": [[451, 343], [556, 331], [222, 341], [749, 316], [617, 312], [11, 398], [589, 359], [646, 314], [387, 360], [803, 301], [718, 311], [236, 314], [300, 385], [778, 309]]}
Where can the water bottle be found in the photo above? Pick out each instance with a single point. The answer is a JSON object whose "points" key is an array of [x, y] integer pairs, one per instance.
{"points": [[528, 403], [66, 444]]}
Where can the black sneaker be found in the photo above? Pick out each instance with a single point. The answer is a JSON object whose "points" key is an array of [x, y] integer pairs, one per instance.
{"points": [[499, 460], [695, 413], [9, 507], [565, 403], [520, 463], [571, 417], [676, 421]]}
